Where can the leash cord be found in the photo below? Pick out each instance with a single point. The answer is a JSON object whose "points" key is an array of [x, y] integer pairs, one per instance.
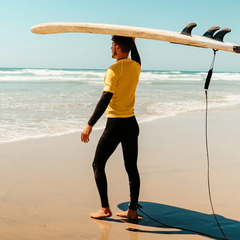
{"points": [[208, 164], [169, 226], [209, 188]]}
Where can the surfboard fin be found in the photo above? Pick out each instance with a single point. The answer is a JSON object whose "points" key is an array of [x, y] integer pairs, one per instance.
{"points": [[188, 29], [220, 35], [209, 33]]}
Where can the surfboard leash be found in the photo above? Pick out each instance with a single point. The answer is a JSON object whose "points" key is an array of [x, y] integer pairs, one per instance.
{"points": [[139, 207], [208, 79], [210, 72]]}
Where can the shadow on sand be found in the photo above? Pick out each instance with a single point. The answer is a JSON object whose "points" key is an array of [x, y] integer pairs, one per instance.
{"points": [[184, 219]]}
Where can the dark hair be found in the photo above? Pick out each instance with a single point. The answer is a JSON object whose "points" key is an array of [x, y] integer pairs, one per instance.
{"points": [[125, 43]]}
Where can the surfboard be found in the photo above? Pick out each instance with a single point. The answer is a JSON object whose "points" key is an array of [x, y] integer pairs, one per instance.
{"points": [[212, 38]]}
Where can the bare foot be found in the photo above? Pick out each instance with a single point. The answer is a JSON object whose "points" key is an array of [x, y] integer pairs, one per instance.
{"points": [[130, 214], [102, 213]]}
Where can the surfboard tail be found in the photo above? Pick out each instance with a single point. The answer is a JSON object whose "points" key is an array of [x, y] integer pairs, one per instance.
{"points": [[236, 49]]}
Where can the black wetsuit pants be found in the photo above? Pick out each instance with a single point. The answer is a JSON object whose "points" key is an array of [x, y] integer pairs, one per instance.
{"points": [[124, 131]]}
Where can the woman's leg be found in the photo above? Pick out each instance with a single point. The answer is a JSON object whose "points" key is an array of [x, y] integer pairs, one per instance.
{"points": [[130, 154], [106, 146]]}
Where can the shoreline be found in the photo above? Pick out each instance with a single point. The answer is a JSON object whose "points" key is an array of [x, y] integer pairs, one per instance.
{"points": [[103, 69], [47, 189], [213, 109]]}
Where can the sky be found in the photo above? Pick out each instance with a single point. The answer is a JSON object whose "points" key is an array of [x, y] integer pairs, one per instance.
{"points": [[20, 48]]}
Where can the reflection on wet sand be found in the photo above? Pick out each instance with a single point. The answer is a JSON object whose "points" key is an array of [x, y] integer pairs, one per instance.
{"points": [[132, 229], [106, 226]]}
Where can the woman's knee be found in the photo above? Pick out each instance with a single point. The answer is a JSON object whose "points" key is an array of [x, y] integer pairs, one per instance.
{"points": [[98, 166], [131, 169]]}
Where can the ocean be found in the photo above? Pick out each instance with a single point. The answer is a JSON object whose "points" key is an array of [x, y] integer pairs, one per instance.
{"points": [[37, 103]]}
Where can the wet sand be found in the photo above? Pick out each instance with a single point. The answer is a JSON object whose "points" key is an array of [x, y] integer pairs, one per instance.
{"points": [[47, 189]]}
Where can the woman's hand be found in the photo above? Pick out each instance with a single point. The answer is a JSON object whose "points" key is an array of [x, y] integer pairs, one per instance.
{"points": [[86, 133]]}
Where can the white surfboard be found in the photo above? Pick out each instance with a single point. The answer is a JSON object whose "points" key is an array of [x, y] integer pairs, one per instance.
{"points": [[208, 40]]}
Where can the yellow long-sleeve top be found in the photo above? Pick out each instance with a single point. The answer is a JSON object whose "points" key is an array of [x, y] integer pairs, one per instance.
{"points": [[121, 79]]}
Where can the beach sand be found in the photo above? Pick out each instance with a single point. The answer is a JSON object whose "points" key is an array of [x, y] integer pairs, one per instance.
{"points": [[47, 189]]}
